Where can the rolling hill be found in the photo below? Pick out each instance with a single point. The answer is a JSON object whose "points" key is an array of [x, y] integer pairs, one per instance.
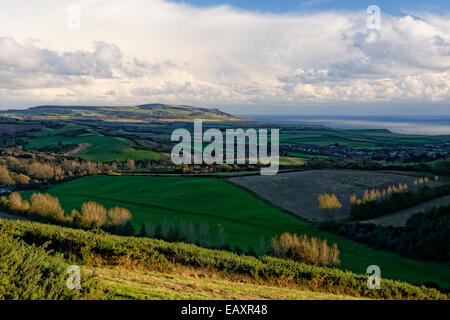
{"points": [[142, 113]]}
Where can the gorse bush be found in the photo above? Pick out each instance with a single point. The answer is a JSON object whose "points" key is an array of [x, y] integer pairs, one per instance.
{"points": [[28, 272], [307, 250], [89, 248]]}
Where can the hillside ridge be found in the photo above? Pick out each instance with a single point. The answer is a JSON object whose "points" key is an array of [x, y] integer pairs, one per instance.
{"points": [[152, 112]]}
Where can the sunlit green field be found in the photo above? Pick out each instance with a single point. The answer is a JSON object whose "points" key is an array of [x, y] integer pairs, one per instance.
{"points": [[245, 218], [103, 148]]}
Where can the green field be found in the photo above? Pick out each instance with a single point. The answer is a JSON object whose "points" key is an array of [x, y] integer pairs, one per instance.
{"points": [[143, 113], [357, 139], [148, 285], [308, 156], [103, 148], [244, 217]]}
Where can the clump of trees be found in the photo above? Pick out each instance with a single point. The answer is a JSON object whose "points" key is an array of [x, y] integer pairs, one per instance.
{"points": [[426, 236], [329, 206], [396, 201], [8, 177], [307, 250], [5, 177], [46, 208]]}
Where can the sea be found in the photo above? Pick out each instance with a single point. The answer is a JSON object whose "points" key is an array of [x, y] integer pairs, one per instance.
{"points": [[420, 125]]}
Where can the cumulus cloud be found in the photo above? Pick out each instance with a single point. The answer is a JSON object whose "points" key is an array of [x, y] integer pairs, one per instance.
{"points": [[144, 51], [104, 61]]}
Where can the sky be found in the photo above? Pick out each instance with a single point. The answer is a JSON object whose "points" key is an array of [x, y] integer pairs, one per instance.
{"points": [[393, 7], [244, 57]]}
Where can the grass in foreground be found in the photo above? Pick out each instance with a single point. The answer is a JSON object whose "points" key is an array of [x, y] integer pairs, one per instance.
{"points": [[101, 249], [244, 217], [137, 284]]}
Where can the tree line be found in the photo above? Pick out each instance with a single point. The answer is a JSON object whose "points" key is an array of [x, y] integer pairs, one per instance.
{"points": [[396, 201], [44, 207], [426, 235]]}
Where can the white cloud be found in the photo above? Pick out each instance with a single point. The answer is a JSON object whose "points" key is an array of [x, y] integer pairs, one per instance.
{"points": [[130, 52]]}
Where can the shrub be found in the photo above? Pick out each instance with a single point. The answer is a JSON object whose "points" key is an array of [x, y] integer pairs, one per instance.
{"points": [[41, 170], [221, 238], [23, 179], [307, 250], [93, 215], [166, 230], [329, 205], [186, 232], [5, 178], [16, 204], [203, 234], [150, 229], [117, 216], [28, 272], [48, 207]]}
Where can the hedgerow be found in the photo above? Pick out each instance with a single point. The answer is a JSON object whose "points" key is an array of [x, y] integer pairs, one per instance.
{"points": [[89, 247], [396, 202]]}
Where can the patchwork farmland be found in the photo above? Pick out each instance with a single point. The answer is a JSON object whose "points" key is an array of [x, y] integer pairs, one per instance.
{"points": [[97, 146], [297, 192]]}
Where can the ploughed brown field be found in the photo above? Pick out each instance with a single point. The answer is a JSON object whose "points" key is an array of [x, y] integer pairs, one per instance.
{"points": [[297, 192]]}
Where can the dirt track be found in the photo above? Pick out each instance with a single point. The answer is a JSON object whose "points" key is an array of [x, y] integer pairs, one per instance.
{"points": [[81, 147], [297, 192]]}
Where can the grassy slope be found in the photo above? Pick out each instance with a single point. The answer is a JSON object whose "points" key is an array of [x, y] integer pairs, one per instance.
{"points": [[244, 217], [152, 285], [103, 148], [48, 280], [159, 112]]}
